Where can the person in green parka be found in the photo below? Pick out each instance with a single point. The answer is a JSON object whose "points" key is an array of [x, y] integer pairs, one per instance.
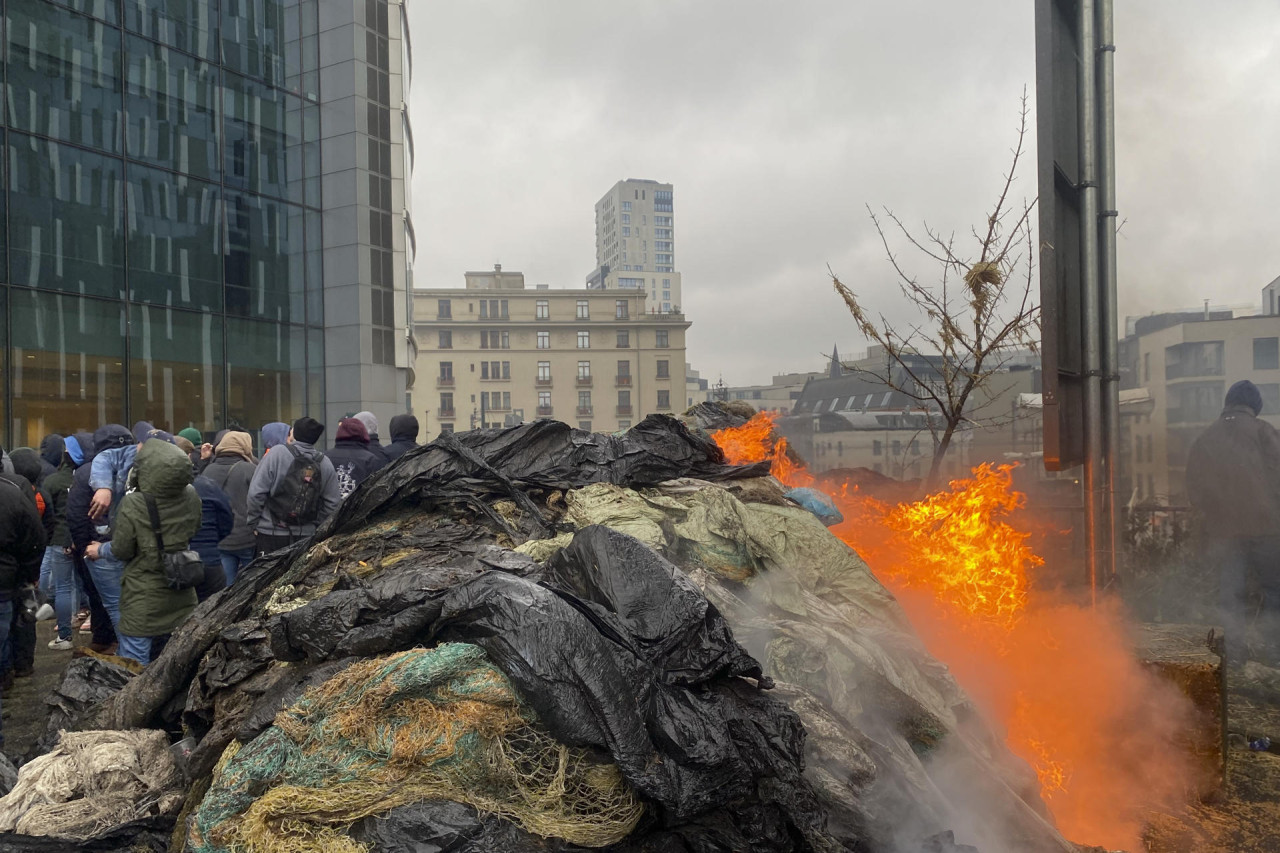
{"points": [[149, 609]]}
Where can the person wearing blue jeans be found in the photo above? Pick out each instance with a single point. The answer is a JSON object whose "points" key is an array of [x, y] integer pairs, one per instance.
{"points": [[61, 586]]}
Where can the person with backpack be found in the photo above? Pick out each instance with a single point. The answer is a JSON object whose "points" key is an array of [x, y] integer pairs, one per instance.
{"points": [[351, 456], [232, 470], [370, 421], [293, 489], [154, 521]]}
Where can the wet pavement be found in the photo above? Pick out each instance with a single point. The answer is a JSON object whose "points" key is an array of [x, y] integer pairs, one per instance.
{"points": [[25, 712]]}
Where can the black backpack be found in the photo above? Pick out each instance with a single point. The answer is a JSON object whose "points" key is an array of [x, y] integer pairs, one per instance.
{"points": [[295, 500]]}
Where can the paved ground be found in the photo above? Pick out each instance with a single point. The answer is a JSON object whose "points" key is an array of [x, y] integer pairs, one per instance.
{"points": [[25, 713]]}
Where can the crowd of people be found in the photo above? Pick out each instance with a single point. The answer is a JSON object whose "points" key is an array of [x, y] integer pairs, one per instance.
{"points": [[126, 530]]}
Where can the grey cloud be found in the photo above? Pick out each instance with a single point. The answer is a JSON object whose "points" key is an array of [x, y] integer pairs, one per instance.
{"points": [[777, 123]]}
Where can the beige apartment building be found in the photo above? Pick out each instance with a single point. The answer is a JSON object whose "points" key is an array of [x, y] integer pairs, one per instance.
{"points": [[635, 243], [498, 353], [1186, 368]]}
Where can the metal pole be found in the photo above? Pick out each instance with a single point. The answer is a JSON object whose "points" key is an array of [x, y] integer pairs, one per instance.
{"points": [[1094, 478], [1107, 248]]}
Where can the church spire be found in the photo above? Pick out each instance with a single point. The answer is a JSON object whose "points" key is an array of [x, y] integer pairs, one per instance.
{"points": [[837, 369]]}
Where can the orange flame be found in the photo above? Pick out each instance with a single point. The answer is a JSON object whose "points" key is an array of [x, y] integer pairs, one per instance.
{"points": [[1059, 677]]}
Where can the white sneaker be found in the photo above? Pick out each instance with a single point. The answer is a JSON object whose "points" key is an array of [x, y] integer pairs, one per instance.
{"points": [[61, 645], [45, 612]]}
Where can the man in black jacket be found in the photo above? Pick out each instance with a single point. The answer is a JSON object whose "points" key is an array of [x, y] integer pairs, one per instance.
{"points": [[22, 541], [351, 457], [1233, 482], [404, 436]]}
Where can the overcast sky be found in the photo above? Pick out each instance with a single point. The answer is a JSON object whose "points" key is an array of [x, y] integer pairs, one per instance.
{"points": [[778, 122]]}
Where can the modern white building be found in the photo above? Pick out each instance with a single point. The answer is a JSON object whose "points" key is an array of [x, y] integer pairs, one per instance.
{"points": [[635, 244]]}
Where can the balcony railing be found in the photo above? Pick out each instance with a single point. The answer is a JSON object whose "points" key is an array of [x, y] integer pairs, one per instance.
{"points": [[444, 381], [666, 375], [446, 413], [584, 410], [624, 410], [622, 380], [584, 382], [543, 383], [544, 411]]}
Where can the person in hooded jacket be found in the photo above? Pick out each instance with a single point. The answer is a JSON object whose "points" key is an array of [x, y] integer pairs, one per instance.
{"points": [[404, 436], [58, 560], [22, 542], [370, 421], [105, 574], [52, 447], [1233, 483], [271, 533], [274, 434], [149, 609], [232, 470], [351, 457]]}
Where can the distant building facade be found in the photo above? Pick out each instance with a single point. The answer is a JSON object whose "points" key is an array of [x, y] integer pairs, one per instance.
{"points": [[498, 352], [635, 243], [1185, 363], [781, 394]]}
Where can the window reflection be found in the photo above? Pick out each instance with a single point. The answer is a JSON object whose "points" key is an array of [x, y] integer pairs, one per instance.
{"points": [[67, 370], [264, 259], [266, 372], [175, 240], [63, 74], [65, 220], [172, 100], [189, 25], [263, 145], [175, 368]]}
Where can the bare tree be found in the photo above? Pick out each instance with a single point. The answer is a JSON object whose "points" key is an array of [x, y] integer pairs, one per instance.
{"points": [[979, 309]]}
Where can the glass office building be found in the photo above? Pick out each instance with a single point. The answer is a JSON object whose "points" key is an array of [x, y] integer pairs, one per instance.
{"points": [[162, 251]]}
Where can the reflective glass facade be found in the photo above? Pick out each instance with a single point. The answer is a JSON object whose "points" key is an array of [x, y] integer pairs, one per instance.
{"points": [[160, 194]]}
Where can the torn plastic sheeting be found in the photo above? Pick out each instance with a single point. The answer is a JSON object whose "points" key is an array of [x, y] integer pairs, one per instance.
{"points": [[149, 835], [817, 503], [653, 685], [543, 454]]}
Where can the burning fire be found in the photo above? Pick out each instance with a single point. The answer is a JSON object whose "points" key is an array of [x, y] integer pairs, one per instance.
{"points": [[1075, 705]]}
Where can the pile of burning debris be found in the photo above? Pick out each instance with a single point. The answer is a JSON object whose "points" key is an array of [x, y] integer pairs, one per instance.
{"points": [[539, 638]]}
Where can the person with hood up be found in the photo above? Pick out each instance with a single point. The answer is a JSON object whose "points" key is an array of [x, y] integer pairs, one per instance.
{"points": [[59, 563], [86, 528], [404, 436], [370, 421], [51, 449], [149, 609], [351, 456], [22, 542], [6, 464], [109, 475], [293, 489], [232, 470], [1233, 482], [274, 434]]}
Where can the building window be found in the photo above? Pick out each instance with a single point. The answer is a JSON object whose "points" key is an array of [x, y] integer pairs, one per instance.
{"points": [[1198, 358], [584, 310], [494, 339], [446, 371], [660, 338], [484, 309], [662, 201], [624, 399], [544, 398], [626, 230], [626, 205], [624, 425], [1146, 367], [542, 310], [662, 220], [544, 371], [626, 220], [484, 370], [621, 312], [664, 399], [584, 370], [662, 246], [624, 339], [584, 402], [663, 259], [624, 372], [584, 425], [544, 340], [444, 309], [876, 447], [584, 339], [446, 404], [1270, 398], [446, 339], [446, 429], [897, 448], [1266, 354], [664, 369]]}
